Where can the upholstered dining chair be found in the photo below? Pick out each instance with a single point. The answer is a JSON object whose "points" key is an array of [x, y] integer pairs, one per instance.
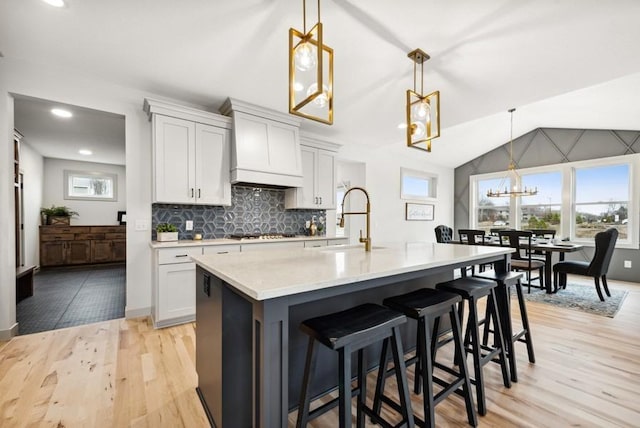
{"points": [[444, 234], [521, 259], [597, 268]]}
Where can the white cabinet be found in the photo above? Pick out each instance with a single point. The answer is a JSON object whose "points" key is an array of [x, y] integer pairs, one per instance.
{"points": [[319, 172], [174, 288], [191, 155]]}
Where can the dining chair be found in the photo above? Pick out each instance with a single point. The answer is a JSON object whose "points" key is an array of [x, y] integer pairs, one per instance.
{"points": [[597, 268], [521, 259], [473, 237], [542, 233], [444, 234]]}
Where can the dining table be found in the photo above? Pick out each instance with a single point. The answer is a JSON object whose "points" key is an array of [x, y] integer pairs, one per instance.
{"points": [[547, 247]]}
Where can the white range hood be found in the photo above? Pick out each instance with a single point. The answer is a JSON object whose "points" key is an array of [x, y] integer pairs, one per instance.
{"points": [[265, 147]]}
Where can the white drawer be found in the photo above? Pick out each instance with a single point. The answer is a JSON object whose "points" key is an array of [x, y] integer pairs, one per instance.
{"points": [[222, 249], [316, 243], [177, 255], [338, 241]]}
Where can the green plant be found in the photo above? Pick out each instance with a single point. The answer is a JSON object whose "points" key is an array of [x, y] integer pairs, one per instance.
{"points": [[58, 212], [166, 227]]}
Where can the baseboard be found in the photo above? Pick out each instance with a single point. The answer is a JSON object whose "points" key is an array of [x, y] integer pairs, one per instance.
{"points": [[9, 334], [137, 313]]}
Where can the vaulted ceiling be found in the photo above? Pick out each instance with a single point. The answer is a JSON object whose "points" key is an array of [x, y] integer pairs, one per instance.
{"points": [[573, 63]]}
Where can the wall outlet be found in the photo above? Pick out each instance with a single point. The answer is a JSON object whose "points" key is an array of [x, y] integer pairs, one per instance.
{"points": [[189, 225], [142, 225], [627, 264]]}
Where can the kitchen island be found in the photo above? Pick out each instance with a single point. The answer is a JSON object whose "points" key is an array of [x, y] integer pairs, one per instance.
{"points": [[249, 351]]}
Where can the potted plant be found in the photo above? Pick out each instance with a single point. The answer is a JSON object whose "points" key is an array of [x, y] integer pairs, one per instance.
{"points": [[57, 215], [166, 232]]}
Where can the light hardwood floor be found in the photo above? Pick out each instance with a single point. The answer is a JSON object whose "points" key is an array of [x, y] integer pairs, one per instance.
{"points": [[124, 373]]}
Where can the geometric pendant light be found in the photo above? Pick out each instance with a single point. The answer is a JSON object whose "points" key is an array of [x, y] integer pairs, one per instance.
{"points": [[423, 111], [310, 72]]}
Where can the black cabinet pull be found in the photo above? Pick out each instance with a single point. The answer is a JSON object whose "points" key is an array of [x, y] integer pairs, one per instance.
{"points": [[182, 255], [199, 194]]}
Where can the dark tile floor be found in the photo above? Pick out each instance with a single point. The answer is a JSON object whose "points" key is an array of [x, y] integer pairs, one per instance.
{"points": [[73, 296]]}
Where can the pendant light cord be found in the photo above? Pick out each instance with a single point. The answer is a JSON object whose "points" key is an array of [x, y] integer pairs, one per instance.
{"points": [[511, 164]]}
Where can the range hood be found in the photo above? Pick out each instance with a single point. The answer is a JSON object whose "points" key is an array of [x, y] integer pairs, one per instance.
{"points": [[265, 147]]}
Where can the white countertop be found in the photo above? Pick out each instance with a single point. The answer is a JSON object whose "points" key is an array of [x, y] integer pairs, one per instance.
{"points": [[226, 241], [276, 273]]}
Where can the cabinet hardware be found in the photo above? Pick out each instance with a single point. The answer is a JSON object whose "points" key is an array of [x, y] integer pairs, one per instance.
{"points": [[182, 255], [222, 252], [192, 192], [199, 194], [320, 200]]}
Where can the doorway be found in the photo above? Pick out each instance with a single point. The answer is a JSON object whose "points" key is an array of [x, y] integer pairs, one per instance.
{"points": [[82, 285]]}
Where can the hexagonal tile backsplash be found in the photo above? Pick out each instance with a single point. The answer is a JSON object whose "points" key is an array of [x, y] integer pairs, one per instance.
{"points": [[253, 210]]}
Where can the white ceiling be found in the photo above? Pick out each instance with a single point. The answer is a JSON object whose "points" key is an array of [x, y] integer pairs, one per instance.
{"points": [[55, 137], [487, 56]]}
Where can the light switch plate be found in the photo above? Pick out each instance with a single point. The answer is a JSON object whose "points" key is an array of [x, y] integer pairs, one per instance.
{"points": [[142, 225], [627, 264], [189, 225]]}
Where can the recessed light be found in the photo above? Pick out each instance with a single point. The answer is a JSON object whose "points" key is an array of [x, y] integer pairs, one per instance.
{"points": [[61, 112], [402, 125], [55, 3], [85, 152]]}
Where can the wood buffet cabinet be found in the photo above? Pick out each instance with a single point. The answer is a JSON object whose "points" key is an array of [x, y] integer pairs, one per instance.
{"points": [[76, 245]]}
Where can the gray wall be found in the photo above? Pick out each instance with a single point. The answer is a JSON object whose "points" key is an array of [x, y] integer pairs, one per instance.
{"points": [[548, 146]]}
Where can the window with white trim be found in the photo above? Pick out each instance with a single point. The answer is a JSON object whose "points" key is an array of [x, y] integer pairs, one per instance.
{"points": [[601, 200]]}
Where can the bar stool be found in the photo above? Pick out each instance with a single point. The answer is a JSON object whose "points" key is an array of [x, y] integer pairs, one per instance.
{"points": [[346, 332], [471, 290], [504, 281], [427, 306]]}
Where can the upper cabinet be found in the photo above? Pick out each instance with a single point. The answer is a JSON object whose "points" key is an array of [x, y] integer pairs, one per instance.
{"points": [[191, 155], [266, 145], [319, 175]]}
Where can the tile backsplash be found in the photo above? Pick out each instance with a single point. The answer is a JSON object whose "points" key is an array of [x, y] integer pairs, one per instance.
{"points": [[253, 210]]}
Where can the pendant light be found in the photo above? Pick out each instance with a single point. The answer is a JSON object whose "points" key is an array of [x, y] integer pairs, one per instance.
{"points": [[511, 180], [310, 72], [423, 111]]}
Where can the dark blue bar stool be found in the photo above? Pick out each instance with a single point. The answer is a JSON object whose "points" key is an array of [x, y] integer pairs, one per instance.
{"points": [[471, 290], [347, 332], [505, 281], [427, 306]]}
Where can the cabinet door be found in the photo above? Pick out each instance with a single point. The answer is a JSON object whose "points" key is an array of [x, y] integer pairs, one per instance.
{"points": [[101, 251], [174, 160], [307, 197], [325, 180], [176, 291], [78, 252], [52, 253], [119, 250], [213, 184]]}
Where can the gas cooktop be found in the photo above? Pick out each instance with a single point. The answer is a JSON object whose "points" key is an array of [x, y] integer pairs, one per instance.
{"points": [[262, 236]]}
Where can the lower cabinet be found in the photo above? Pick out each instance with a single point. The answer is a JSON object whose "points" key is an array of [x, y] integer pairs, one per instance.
{"points": [[173, 290], [76, 245], [174, 275], [176, 294]]}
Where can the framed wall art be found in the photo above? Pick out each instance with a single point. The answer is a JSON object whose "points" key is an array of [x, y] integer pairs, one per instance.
{"points": [[419, 212]]}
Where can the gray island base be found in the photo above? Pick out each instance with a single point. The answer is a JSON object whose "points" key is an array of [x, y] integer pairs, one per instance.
{"points": [[249, 350]]}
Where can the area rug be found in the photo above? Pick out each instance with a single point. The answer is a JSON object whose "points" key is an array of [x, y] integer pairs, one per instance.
{"points": [[580, 297]]}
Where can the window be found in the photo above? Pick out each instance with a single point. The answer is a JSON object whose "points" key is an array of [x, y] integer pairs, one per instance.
{"points": [[417, 184], [544, 210], [94, 186], [491, 213], [576, 199], [602, 200]]}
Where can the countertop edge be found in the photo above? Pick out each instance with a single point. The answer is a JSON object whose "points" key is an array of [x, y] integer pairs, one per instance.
{"points": [[227, 241]]}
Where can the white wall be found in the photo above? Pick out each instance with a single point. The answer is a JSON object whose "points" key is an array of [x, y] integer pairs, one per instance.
{"points": [[31, 165], [382, 181], [96, 213]]}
